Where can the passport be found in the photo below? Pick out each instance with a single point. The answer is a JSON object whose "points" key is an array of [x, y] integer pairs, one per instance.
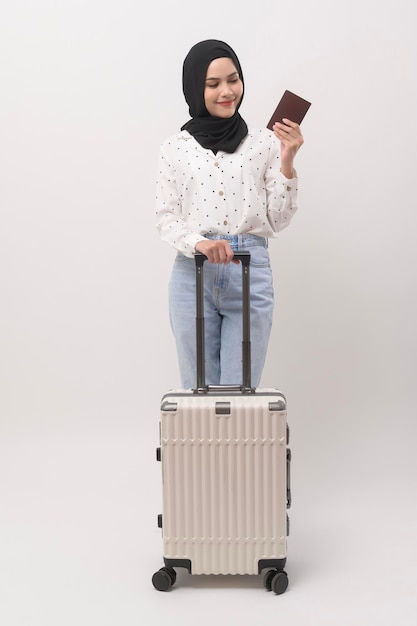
{"points": [[292, 107]]}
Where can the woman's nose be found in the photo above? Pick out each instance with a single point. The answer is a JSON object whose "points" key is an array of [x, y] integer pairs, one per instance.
{"points": [[226, 89]]}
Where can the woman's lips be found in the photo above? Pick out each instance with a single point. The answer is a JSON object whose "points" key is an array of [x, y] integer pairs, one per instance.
{"points": [[226, 104]]}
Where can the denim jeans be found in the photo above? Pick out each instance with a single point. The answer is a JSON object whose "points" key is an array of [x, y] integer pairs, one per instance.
{"points": [[222, 313]]}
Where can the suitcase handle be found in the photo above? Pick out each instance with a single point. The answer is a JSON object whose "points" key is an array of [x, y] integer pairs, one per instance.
{"points": [[244, 257], [240, 255]]}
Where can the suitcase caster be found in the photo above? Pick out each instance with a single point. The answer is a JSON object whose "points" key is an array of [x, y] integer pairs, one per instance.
{"points": [[276, 581], [164, 578]]}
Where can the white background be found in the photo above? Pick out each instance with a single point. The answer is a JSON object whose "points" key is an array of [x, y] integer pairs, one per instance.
{"points": [[89, 89]]}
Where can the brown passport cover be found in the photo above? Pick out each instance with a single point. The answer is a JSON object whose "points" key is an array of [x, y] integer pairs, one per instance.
{"points": [[290, 106]]}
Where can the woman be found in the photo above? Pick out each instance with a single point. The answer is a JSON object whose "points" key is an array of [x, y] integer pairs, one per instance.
{"points": [[222, 187]]}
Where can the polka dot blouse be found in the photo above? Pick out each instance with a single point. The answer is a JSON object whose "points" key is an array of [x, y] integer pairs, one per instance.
{"points": [[199, 192]]}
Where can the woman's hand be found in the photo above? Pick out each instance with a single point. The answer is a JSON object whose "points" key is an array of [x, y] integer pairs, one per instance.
{"points": [[216, 251], [291, 140]]}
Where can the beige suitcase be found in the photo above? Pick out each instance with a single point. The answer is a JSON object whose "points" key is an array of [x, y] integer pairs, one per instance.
{"points": [[225, 472]]}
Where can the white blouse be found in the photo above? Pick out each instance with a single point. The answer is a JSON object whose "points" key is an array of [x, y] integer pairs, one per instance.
{"points": [[199, 192]]}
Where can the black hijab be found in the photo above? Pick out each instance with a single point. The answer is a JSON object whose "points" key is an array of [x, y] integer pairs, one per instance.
{"points": [[213, 133]]}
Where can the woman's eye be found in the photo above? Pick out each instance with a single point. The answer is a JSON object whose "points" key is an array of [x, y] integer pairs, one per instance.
{"points": [[231, 81]]}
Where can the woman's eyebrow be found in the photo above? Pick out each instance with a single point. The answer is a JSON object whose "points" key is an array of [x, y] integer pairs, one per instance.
{"points": [[230, 76]]}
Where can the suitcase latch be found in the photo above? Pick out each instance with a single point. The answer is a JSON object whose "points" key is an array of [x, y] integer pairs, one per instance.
{"points": [[223, 408]]}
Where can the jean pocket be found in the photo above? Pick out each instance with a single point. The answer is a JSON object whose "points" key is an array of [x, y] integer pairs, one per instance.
{"points": [[259, 256]]}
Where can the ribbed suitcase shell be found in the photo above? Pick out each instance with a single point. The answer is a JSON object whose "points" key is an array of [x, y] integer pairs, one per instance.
{"points": [[224, 468]]}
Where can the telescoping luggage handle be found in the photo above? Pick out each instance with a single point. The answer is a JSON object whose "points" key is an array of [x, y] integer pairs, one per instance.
{"points": [[244, 257]]}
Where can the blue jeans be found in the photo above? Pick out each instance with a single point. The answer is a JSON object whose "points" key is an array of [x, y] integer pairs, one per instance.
{"points": [[223, 314]]}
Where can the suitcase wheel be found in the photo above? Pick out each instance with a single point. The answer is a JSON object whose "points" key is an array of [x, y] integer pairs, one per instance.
{"points": [[164, 578], [276, 581]]}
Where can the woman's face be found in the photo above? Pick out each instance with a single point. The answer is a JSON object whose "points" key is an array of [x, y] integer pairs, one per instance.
{"points": [[223, 88]]}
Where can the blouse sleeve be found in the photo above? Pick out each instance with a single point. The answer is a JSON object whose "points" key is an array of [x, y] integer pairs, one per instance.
{"points": [[281, 192], [169, 218]]}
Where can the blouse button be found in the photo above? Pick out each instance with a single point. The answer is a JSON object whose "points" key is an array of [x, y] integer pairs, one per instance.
{"points": [[221, 193], [216, 164], [225, 222]]}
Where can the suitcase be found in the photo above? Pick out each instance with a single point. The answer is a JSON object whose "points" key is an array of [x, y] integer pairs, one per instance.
{"points": [[225, 471]]}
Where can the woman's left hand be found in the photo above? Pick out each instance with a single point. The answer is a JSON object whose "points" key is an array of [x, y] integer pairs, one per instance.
{"points": [[291, 139]]}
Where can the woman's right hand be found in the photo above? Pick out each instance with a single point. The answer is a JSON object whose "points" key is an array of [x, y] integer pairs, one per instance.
{"points": [[216, 251]]}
